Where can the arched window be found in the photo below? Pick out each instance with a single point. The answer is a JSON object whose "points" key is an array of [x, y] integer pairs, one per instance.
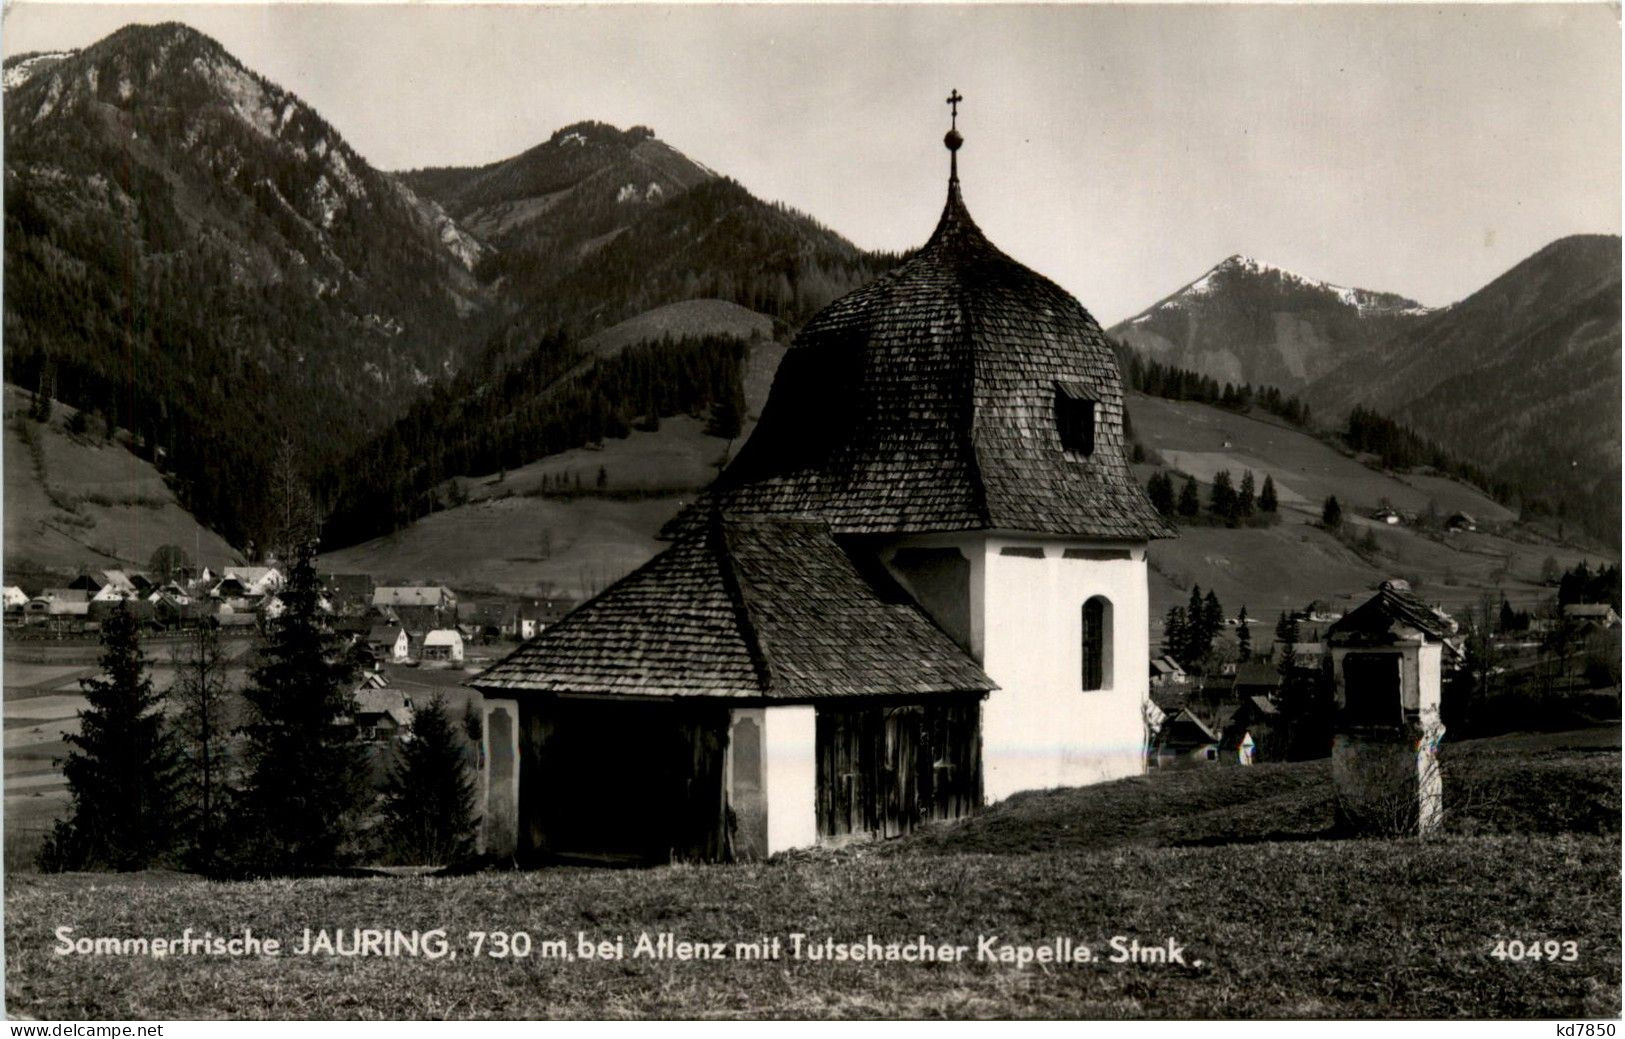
{"points": [[1097, 644]]}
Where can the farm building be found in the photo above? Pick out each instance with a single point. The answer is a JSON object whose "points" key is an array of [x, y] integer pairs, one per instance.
{"points": [[934, 508], [15, 599], [443, 644], [1592, 615]]}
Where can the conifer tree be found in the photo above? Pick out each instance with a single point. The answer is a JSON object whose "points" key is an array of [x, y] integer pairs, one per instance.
{"points": [[1212, 617], [1161, 491], [1267, 501], [306, 779], [429, 797], [1245, 496], [1287, 632], [122, 766], [204, 727], [1244, 638], [1222, 500], [1174, 634], [1331, 514], [1190, 501]]}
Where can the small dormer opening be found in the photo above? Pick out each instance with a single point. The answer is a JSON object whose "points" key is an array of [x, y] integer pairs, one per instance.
{"points": [[1075, 418]]}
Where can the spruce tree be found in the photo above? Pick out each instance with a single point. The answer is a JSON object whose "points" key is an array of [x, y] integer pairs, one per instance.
{"points": [[1245, 496], [1267, 501], [307, 774], [1222, 500], [1161, 491], [1287, 632], [1331, 514], [1197, 640], [1244, 638], [1212, 617], [122, 766], [204, 727], [728, 410], [1190, 501], [1174, 637], [429, 797]]}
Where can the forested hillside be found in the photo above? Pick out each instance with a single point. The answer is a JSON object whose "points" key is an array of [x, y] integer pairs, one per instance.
{"points": [[559, 398], [195, 255]]}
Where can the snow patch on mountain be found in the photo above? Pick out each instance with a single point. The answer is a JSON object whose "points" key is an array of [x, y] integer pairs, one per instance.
{"points": [[1363, 300]]}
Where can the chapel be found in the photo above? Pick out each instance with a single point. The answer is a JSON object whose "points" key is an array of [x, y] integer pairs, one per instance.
{"points": [[920, 586]]}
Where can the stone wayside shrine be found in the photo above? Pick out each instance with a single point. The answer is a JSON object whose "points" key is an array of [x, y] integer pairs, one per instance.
{"points": [[920, 585], [1387, 659]]}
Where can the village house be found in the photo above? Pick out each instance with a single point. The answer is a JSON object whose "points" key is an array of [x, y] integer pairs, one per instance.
{"points": [[437, 596], [388, 642], [1256, 678], [15, 599], [382, 713], [486, 621], [1594, 616], [443, 645], [921, 583], [1166, 673], [1184, 741], [534, 617], [250, 581]]}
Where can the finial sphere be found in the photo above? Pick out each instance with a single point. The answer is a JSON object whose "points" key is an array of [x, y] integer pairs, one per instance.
{"points": [[953, 140]]}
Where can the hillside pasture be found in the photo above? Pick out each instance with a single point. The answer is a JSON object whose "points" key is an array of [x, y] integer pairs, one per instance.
{"points": [[1193, 437], [1229, 864], [79, 501], [1273, 568]]}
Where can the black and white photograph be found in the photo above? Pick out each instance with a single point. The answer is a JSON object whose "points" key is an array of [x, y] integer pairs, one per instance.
{"points": [[762, 511]]}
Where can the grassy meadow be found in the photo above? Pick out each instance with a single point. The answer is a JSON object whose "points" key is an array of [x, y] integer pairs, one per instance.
{"points": [[1236, 866]]}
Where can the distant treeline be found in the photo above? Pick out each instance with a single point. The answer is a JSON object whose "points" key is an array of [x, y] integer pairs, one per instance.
{"points": [[1161, 380], [1400, 447], [555, 399], [1396, 446], [1584, 585]]}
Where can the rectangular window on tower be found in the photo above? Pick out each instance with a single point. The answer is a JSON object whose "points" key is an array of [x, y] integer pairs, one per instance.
{"points": [[1075, 417]]}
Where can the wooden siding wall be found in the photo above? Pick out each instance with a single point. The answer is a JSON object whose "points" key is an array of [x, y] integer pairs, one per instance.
{"points": [[885, 768]]}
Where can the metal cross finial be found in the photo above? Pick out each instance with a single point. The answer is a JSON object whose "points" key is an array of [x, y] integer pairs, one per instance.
{"points": [[953, 104]]}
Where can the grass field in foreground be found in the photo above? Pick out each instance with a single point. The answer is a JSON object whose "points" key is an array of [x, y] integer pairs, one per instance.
{"points": [[1282, 927]]}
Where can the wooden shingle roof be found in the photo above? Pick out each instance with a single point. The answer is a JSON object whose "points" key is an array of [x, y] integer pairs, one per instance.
{"points": [[760, 609], [926, 401], [1394, 614]]}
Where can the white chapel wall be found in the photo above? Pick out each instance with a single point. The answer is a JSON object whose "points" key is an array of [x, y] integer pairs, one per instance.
{"points": [[789, 766], [1041, 728]]}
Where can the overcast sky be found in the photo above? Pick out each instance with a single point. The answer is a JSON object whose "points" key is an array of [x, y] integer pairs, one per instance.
{"points": [[1121, 150]]}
